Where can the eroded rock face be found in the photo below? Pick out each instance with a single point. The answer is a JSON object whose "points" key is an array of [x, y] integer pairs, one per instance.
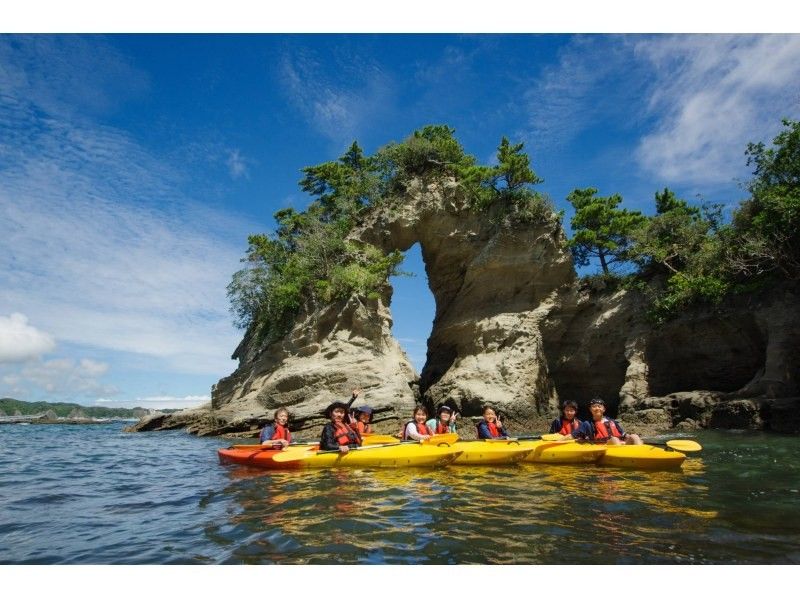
{"points": [[515, 329], [493, 285]]}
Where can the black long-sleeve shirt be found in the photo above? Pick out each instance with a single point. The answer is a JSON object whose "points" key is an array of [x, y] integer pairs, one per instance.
{"points": [[328, 442]]}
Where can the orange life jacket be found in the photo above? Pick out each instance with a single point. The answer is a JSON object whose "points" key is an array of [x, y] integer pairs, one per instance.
{"points": [[363, 428], [568, 427], [494, 431], [603, 430], [442, 428], [344, 434], [281, 433], [422, 429]]}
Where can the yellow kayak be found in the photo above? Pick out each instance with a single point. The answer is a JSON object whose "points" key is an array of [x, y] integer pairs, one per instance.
{"points": [[399, 455], [562, 452], [643, 456], [490, 452]]}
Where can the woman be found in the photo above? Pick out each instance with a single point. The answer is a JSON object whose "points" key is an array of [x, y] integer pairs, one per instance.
{"points": [[363, 423], [277, 433], [417, 429], [337, 434], [491, 426], [445, 421]]}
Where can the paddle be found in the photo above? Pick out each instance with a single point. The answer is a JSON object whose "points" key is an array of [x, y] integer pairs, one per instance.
{"points": [[679, 444], [294, 456]]}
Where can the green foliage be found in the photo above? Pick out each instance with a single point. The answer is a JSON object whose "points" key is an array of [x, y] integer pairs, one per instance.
{"points": [[668, 241], [602, 229], [10, 406], [309, 257]]}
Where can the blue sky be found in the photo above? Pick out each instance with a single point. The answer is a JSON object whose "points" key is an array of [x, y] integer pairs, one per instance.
{"points": [[133, 167]]}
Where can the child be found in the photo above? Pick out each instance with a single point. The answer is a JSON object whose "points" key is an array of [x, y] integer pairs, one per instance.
{"points": [[363, 423], [277, 433], [603, 429], [337, 434], [445, 421], [567, 423], [417, 429], [491, 427]]}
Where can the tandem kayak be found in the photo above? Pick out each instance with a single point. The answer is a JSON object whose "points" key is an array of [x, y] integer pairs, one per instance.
{"points": [[398, 455], [641, 456], [490, 452], [562, 452]]}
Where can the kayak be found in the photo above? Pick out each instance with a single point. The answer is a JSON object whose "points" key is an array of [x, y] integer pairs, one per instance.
{"points": [[255, 455], [490, 452], [642, 456], [398, 455], [562, 452]]}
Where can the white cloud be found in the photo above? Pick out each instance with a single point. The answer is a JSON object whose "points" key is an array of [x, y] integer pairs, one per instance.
{"points": [[712, 95], [97, 243], [340, 111], [593, 79], [158, 402], [62, 378], [19, 341], [237, 165]]}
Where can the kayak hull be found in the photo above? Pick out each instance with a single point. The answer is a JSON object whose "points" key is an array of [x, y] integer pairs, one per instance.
{"points": [[254, 457], [490, 453], [404, 455], [563, 452], [643, 456]]}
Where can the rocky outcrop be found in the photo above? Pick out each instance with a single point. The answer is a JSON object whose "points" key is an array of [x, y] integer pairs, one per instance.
{"points": [[514, 328]]}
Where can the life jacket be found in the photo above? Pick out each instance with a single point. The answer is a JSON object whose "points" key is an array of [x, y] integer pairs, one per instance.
{"points": [[442, 428], [606, 430], [422, 429], [281, 433], [494, 431], [344, 434], [363, 428], [568, 427]]}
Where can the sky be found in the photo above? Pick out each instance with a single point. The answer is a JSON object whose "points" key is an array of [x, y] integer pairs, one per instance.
{"points": [[133, 167]]}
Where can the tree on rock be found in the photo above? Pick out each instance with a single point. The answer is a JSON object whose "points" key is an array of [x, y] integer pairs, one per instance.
{"points": [[602, 230]]}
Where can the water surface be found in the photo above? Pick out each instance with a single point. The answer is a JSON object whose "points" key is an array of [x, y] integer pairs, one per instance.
{"points": [[94, 494]]}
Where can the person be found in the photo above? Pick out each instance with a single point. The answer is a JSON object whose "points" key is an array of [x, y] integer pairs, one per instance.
{"points": [[363, 423], [337, 433], [352, 414], [417, 429], [445, 421], [277, 433], [491, 426], [603, 429], [567, 423]]}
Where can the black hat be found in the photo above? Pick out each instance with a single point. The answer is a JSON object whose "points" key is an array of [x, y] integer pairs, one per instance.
{"points": [[364, 409], [335, 405], [597, 401]]}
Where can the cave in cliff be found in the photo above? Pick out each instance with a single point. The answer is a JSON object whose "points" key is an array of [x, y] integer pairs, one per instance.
{"points": [[710, 354]]}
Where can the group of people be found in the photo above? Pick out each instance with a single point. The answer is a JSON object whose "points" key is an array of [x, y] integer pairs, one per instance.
{"points": [[347, 426]]}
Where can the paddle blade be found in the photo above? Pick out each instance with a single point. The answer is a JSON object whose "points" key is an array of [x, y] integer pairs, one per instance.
{"points": [[684, 446], [553, 437]]}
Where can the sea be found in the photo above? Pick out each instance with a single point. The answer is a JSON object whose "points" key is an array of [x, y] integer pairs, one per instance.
{"points": [[95, 494]]}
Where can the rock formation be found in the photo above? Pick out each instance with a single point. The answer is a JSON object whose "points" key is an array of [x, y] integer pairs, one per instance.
{"points": [[515, 328]]}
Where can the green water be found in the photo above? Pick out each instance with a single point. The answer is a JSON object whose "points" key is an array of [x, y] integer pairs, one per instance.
{"points": [[100, 495], [735, 503]]}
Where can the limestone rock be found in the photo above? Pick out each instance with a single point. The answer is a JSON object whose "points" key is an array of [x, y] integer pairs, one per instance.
{"points": [[514, 328]]}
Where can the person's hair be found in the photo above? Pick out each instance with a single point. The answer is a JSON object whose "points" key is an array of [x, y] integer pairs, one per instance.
{"points": [[489, 408], [280, 410], [572, 404], [418, 408]]}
